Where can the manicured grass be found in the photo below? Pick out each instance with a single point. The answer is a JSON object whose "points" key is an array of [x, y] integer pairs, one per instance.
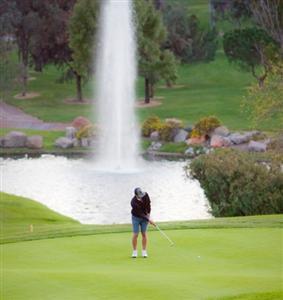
{"points": [[215, 88], [174, 147], [205, 262]]}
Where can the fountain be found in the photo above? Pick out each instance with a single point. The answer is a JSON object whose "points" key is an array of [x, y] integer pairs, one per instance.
{"points": [[116, 75], [77, 187]]}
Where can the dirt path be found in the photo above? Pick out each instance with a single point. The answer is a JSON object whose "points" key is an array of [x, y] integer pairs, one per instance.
{"points": [[13, 117]]}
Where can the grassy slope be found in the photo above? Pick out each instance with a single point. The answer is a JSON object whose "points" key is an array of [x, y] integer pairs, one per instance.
{"points": [[233, 261]]}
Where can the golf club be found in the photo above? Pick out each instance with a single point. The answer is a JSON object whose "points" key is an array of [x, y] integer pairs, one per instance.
{"points": [[165, 235]]}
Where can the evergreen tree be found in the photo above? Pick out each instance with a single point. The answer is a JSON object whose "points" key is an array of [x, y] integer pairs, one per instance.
{"points": [[82, 28], [155, 63]]}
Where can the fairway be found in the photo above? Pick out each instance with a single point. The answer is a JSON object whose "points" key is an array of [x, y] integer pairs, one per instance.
{"points": [[203, 264]]}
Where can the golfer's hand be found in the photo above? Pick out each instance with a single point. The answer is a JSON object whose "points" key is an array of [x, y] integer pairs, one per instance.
{"points": [[152, 223]]}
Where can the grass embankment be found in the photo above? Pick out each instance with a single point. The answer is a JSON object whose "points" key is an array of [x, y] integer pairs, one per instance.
{"points": [[216, 260]]}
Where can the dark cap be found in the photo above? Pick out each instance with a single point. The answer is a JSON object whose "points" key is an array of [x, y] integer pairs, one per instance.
{"points": [[139, 193]]}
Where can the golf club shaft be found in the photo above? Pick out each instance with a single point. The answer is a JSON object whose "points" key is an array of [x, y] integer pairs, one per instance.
{"points": [[164, 234]]}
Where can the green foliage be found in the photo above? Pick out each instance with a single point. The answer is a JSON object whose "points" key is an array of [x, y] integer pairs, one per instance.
{"points": [[150, 125], [249, 48], [82, 28], [186, 39], [168, 129], [204, 126], [266, 102], [237, 185], [155, 63], [85, 132]]}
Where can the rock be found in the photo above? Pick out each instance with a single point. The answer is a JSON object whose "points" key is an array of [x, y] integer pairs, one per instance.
{"points": [[34, 142], [189, 128], [237, 138], [15, 139], [181, 136], [85, 142], [190, 152], [80, 122], [154, 136], [64, 143], [221, 131], [196, 140], [76, 142], [71, 132], [218, 141], [155, 146], [257, 146]]}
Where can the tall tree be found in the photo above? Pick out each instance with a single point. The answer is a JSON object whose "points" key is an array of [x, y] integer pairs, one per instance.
{"points": [[268, 14], [251, 48], [151, 35], [186, 39], [82, 28]]}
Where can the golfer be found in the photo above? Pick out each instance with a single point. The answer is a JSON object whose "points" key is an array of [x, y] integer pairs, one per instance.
{"points": [[140, 219]]}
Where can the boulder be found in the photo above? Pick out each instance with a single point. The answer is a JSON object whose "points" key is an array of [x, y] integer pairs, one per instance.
{"points": [[190, 152], [155, 146], [76, 142], [154, 136], [34, 142], [257, 146], [218, 141], [70, 132], [80, 122], [189, 128], [238, 138], [221, 131], [15, 139], [85, 142], [181, 136], [196, 140], [64, 143]]}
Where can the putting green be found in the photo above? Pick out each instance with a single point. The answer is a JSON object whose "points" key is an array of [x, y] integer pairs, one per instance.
{"points": [[203, 264], [223, 258]]}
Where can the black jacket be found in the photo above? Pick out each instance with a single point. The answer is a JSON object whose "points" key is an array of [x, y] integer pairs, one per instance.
{"points": [[141, 208]]}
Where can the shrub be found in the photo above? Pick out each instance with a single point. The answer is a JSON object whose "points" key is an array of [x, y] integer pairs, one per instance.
{"points": [[237, 185], [169, 129], [150, 125], [85, 132], [204, 126]]}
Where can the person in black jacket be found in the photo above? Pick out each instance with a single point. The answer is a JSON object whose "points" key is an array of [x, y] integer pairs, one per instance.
{"points": [[140, 218]]}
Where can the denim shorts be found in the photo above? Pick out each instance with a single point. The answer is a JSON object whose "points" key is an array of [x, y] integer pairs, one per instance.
{"points": [[139, 222]]}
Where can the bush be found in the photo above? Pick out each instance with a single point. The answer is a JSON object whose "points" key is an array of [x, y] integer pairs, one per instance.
{"points": [[205, 126], [169, 129], [150, 125], [238, 185], [85, 132]]}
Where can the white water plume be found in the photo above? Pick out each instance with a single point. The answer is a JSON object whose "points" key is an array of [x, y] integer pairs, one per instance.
{"points": [[116, 75]]}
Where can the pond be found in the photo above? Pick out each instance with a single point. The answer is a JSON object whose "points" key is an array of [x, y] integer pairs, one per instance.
{"points": [[76, 188]]}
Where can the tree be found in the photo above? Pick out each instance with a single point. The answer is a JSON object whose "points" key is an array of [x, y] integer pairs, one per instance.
{"points": [[235, 11], [268, 14], [186, 39], [251, 48], [82, 28], [151, 35], [8, 68], [264, 104], [49, 41]]}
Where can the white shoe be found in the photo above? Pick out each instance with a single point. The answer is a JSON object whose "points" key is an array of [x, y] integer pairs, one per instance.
{"points": [[135, 254], [144, 254]]}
